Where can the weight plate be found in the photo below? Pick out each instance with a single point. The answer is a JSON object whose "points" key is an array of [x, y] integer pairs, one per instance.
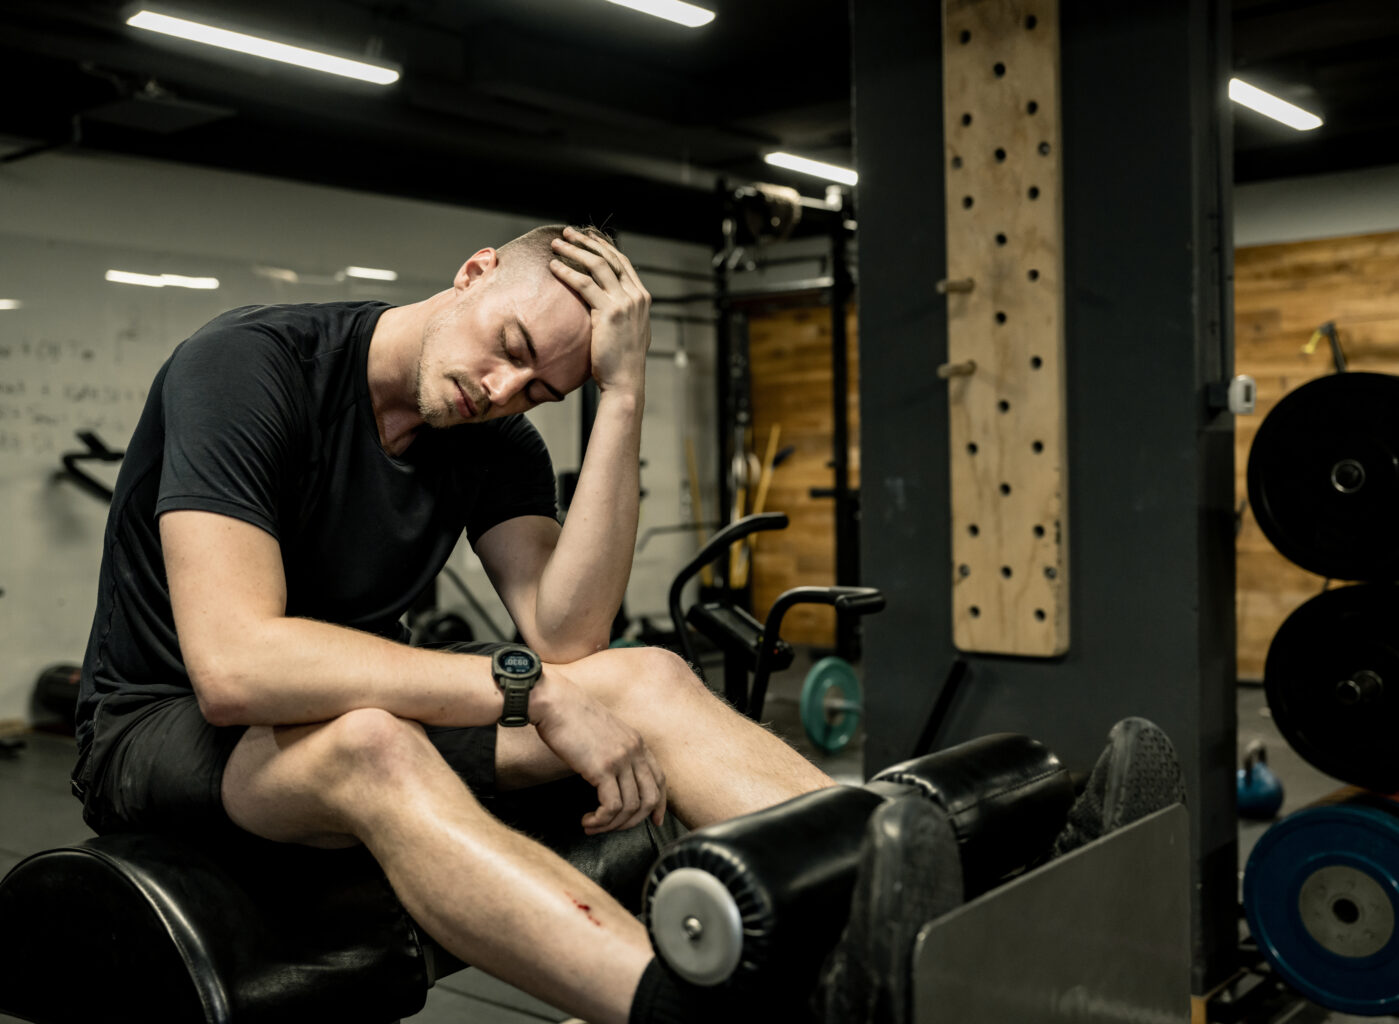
{"points": [[1332, 679], [1323, 476], [831, 703], [1321, 893]]}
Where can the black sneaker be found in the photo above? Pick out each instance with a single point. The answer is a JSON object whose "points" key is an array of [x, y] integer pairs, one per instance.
{"points": [[1136, 774], [910, 872]]}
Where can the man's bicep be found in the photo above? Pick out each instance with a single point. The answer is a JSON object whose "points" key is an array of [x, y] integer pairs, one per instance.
{"points": [[225, 576], [514, 554]]}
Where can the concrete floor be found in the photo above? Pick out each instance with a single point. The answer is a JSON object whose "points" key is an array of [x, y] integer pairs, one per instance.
{"points": [[37, 812]]}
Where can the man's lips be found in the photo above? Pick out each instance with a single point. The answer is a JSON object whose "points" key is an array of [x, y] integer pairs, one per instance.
{"points": [[464, 405]]}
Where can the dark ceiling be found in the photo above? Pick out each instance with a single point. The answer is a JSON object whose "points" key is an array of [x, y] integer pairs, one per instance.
{"points": [[578, 108]]}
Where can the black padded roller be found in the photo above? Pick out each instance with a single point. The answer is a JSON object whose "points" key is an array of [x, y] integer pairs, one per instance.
{"points": [[1006, 795], [761, 896]]}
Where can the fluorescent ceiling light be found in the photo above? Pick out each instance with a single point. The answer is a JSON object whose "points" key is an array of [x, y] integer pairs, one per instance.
{"points": [[371, 273], [258, 47], [1266, 103], [671, 10], [163, 280], [10, 303], [842, 175]]}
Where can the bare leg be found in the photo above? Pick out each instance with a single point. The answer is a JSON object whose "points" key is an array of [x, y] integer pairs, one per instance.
{"points": [[718, 764], [491, 896]]}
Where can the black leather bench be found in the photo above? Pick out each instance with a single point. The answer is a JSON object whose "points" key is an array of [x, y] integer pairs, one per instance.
{"points": [[155, 928]]}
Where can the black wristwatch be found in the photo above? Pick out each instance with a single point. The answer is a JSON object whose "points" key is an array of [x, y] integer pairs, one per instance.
{"points": [[516, 670]]}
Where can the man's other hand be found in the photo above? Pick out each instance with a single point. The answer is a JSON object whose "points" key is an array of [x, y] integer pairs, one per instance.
{"points": [[604, 750], [620, 305]]}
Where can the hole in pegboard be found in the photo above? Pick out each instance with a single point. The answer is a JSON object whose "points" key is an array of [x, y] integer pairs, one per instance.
{"points": [[1039, 614], [1036, 362], [1050, 572], [971, 448], [1044, 149], [967, 202], [956, 163], [974, 530], [1037, 447], [975, 612], [964, 570], [1032, 107], [1000, 155], [1005, 572], [999, 69], [1033, 193], [964, 37], [1001, 239], [966, 120], [1033, 275], [1030, 22], [1003, 405], [1000, 317], [1039, 531], [1005, 488]]}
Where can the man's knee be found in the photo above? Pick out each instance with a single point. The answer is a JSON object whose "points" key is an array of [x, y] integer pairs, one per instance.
{"points": [[653, 677], [373, 742]]}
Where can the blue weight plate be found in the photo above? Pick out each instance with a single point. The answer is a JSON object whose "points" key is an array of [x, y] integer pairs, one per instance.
{"points": [[1321, 893], [831, 732]]}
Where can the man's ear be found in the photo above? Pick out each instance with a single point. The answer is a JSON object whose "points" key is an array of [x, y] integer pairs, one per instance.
{"points": [[479, 264]]}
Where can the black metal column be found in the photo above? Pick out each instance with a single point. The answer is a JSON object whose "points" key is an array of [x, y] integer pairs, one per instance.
{"points": [[1150, 464], [847, 500]]}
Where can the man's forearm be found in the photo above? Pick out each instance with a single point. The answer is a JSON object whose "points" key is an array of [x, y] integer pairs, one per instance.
{"points": [[288, 671], [586, 577]]}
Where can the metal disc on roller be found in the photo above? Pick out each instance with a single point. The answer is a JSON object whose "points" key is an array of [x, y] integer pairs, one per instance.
{"points": [[1323, 476], [696, 926], [1321, 893], [1332, 679]]}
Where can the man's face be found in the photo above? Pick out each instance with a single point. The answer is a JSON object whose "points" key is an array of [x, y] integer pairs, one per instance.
{"points": [[504, 345]]}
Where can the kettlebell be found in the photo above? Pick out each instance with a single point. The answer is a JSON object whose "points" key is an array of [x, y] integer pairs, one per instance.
{"points": [[1259, 789]]}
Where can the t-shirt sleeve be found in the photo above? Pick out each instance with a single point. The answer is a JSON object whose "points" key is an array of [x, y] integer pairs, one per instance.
{"points": [[234, 408], [519, 479]]}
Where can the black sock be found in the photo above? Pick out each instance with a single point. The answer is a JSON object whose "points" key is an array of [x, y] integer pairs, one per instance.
{"points": [[663, 997], [659, 998]]}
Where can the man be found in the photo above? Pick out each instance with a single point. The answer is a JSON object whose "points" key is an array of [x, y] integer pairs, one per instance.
{"points": [[299, 474]]}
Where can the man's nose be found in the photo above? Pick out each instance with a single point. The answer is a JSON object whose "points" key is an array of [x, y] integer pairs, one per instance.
{"points": [[505, 383]]}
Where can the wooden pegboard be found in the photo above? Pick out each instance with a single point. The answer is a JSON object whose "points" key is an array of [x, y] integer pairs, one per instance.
{"points": [[1005, 317]]}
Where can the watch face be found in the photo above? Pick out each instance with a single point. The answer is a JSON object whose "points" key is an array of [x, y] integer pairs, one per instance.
{"points": [[518, 662]]}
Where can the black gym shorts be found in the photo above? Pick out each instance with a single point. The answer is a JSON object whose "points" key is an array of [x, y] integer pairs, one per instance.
{"points": [[158, 765]]}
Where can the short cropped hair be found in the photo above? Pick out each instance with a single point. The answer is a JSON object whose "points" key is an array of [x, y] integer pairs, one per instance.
{"points": [[532, 251]]}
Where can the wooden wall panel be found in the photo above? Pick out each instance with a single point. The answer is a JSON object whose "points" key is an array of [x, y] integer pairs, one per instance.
{"points": [[789, 353], [1282, 293]]}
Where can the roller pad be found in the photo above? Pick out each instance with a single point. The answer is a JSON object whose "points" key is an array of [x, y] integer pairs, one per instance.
{"points": [[909, 874], [789, 871], [1006, 796]]}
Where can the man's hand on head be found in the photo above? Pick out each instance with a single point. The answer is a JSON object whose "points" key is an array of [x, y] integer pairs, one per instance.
{"points": [[620, 307]]}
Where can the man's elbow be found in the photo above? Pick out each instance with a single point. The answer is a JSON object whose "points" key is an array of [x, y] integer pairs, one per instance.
{"points": [[566, 650], [222, 694]]}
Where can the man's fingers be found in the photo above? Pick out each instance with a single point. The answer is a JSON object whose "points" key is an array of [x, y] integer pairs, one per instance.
{"points": [[592, 257], [609, 804]]}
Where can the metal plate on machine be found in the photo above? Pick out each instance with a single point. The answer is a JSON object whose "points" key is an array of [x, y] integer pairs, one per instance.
{"points": [[1323, 476], [1101, 934], [1005, 326], [1332, 679]]}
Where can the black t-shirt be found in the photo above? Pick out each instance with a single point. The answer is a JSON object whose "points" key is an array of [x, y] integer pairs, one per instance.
{"points": [[264, 415]]}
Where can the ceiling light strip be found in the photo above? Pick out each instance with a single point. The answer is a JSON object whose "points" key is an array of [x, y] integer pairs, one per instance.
{"points": [[681, 13], [258, 47], [1271, 106], [831, 172], [162, 280]]}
